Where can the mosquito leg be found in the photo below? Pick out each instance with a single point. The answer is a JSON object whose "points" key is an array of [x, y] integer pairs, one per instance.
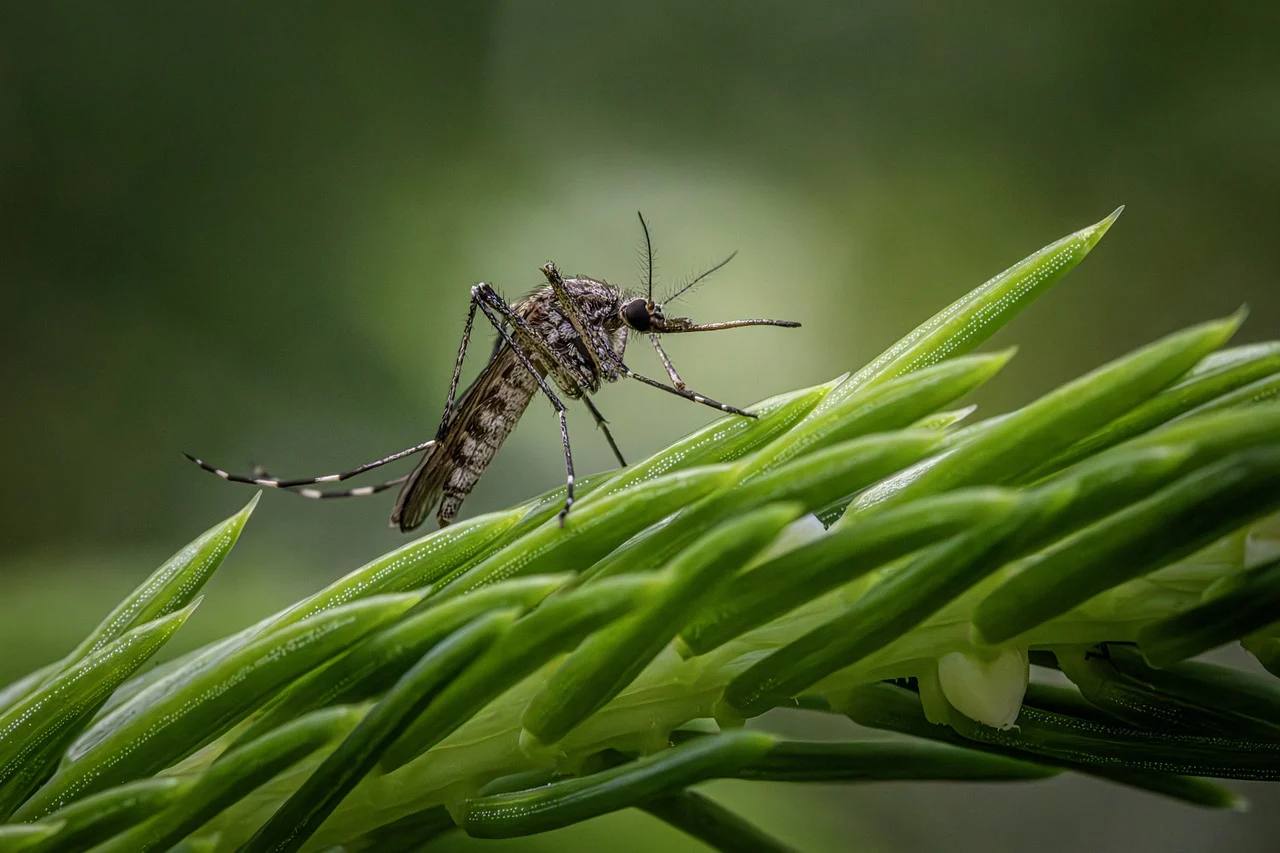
{"points": [[570, 310], [496, 310], [276, 483], [447, 414], [318, 494], [362, 491], [666, 362], [687, 394], [604, 425]]}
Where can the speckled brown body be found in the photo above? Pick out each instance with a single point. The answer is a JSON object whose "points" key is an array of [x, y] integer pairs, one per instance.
{"points": [[566, 338], [490, 408]]}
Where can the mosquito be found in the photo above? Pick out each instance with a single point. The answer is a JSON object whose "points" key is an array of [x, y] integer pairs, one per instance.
{"points": [[568, 335]]}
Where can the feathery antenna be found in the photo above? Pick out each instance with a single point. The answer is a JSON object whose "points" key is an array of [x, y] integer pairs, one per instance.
{"points": [[718, 266], [648, 256]]}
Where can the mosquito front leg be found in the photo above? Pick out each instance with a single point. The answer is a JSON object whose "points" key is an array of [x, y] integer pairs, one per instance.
{"points": [[494, 307], [447, 414], [268, 482], [604, 426], [570, 309], [666, 362], [686, 393]]}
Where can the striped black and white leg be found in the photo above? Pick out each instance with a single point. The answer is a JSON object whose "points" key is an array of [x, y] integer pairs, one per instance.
{"points": [[357, 492], [672, 373], [325, 494], [604, 426], [269, 482], [686, 393], [496, 311], [447, 415]]}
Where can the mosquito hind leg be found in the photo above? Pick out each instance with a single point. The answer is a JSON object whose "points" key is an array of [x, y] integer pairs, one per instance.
{"points": [[358, 492], [269, 482], [494, 308], [604, 427]]}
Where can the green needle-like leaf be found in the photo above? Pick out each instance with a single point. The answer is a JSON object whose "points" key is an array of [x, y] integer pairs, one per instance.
{"points": [[170, 720], [100, 816], [1174, 522], [414, 566], [172, 586], [1251, 601], [234, 775], [964, 324], [609, 660], [814, 481], [35, 730], [886, 761], [374, 663], [1013, 445], [894, 404], [1262, 390], [1194, 697], [1055, 739], [711, 823], [787, 581], [591, 531], [25, 836], [406, 835], [299, 818], [1236, 367], [557, 626], [572, 800]]}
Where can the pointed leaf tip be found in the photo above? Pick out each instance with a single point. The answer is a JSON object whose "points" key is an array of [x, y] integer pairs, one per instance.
{"points": [[1092, 234]]}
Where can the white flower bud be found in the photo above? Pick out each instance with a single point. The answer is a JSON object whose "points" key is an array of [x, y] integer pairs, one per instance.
{"points": [[985, 688]]}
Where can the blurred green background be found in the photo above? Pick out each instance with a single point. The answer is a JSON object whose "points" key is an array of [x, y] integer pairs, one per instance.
{"points": [[249, 232]]}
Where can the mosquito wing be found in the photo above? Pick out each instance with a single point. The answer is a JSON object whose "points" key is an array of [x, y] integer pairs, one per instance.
{"points": [[484, 417]]}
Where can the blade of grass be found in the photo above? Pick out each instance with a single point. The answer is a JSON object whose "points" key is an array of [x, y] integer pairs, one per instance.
{"points": [[555, 627], [1173, 523], [160, 727], [301, 815], [777, 586], [814, 481], [172, 586], [234, 775], [572, 800], [100, 816], [1243, 366], [590, 531], [610, 659], [34, 731], [373, 664], [723, 440], [884, 706], [711, 823], [964, 324], [1251, 601], [1012, 445]]}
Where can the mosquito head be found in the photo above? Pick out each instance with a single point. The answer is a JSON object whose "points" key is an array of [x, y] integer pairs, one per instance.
{"points": [[642, 315]]}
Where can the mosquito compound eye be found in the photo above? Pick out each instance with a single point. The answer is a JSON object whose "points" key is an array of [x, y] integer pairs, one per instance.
{"points": [[636, 313]]}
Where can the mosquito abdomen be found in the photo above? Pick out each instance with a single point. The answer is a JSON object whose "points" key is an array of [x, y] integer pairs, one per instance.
{"points": [[484, 422]]}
